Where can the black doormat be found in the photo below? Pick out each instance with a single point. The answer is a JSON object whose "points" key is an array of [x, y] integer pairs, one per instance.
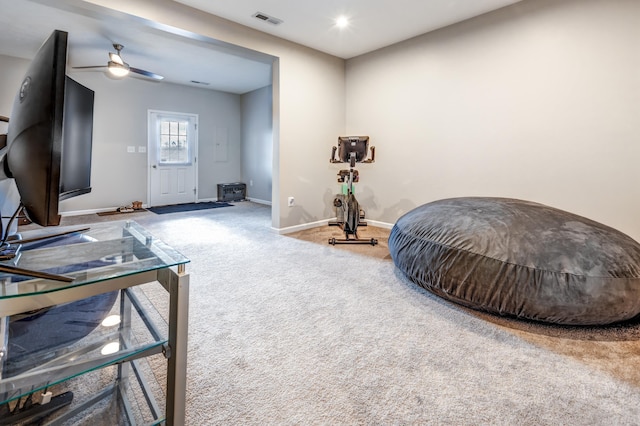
{"points": [[176, 208]]}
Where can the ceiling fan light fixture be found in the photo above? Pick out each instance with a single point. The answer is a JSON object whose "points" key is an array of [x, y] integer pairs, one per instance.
{"points": [[118, 70], [116, 58]]}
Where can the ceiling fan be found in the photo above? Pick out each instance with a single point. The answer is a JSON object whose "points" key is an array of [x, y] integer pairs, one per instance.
{"points": [[119, 68]]}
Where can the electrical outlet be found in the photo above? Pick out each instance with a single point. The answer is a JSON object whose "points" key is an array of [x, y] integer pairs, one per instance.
{"points": [[291, 201], [131, 149]]}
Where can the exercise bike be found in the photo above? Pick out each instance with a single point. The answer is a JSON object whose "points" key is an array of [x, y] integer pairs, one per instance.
{"points": [[349, 215]]}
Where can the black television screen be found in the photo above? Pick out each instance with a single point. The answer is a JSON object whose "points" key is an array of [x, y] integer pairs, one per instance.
{"points": [[48, 142], [77, 137]]}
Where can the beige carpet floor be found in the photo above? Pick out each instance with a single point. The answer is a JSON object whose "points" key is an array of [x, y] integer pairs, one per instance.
{"points": [[288, 330]]}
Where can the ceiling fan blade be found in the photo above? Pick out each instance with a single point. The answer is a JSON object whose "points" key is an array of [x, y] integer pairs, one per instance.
{"points": [[94, 67], [146, 73]]}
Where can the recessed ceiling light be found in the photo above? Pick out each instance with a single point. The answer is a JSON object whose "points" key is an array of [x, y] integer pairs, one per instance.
{"points": [[342, 22]]}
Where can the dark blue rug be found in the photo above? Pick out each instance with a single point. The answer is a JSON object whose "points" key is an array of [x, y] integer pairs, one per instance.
{"points": [[176, 208], [49, 331]]}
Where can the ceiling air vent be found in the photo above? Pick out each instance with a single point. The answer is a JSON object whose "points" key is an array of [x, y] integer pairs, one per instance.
{"points": [[266, 18]]}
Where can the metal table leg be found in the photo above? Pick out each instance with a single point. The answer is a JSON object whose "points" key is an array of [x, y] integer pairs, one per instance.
{"points": [[177, 284]]}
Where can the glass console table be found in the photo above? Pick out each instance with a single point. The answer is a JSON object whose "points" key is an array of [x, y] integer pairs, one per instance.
{"points": [[43, 345]]}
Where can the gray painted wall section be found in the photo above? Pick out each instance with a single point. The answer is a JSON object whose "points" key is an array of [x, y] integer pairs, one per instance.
{"points": [[257, 143], [308, 106], [11, 73], [538, 101], [120, 120]]}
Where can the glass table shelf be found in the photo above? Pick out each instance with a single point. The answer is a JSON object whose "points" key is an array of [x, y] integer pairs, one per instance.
{"points": [[103, 252], [52, 331]]}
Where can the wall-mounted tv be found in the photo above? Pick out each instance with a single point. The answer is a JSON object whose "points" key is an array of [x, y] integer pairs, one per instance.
{"points": [[77, 138], [49, 138]]}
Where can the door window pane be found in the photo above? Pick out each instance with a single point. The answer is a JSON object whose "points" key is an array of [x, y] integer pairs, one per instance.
{"points": [[174, 148]]}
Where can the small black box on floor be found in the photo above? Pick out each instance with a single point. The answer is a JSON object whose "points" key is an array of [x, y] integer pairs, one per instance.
{"points": [[232, 191]]}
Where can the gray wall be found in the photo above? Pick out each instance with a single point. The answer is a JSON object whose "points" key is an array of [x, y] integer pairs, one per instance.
{"points": [[120, 120], [540, 101], [11, 72], [257, 143], [308, 105]]}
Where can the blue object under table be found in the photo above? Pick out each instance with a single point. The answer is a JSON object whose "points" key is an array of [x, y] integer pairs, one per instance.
{"points": [[519, 258]]}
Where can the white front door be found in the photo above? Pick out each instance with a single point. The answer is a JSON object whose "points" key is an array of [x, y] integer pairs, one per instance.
{"points": [[172, 152]]}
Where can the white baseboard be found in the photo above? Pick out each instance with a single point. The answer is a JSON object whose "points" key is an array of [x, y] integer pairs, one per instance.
{"points": [[255, 200], [90, 211], [258, 201], [325, 222], [378, 224], [113, 209], [282, 231], [302, 227]]}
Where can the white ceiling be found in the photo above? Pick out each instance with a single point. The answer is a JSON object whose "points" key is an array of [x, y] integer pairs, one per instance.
{"points": [[24, 25], [374, 23]]}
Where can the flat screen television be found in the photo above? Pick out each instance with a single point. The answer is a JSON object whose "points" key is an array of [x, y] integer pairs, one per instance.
{"points": [[49, 137], [48, 154], [77, 140]]}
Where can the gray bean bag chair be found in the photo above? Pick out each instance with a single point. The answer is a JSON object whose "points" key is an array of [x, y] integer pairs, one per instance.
{"points": [[519, 258]]}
